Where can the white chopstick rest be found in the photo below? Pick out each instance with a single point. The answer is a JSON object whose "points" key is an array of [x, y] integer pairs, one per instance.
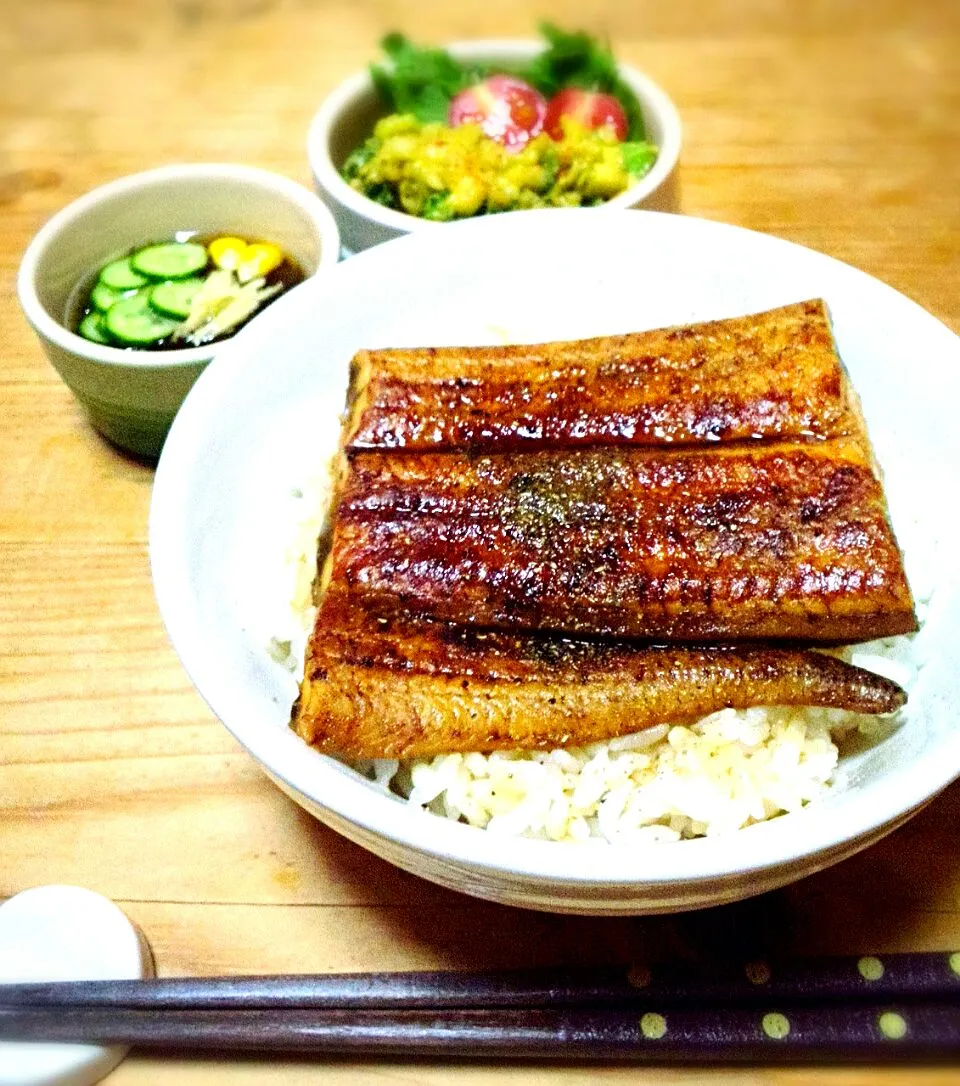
{"points": [[53, 933]]}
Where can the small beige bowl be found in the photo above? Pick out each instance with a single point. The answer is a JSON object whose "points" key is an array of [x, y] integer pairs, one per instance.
{"points": [[348, 115], [132, 396]]}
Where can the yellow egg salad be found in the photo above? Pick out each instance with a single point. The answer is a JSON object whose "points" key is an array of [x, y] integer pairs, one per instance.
{"points": [[438, 172]]}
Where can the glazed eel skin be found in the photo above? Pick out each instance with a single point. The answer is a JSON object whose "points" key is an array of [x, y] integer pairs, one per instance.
{"points": [[404, 688], [785, 542], [771, 375], [546, 545]]}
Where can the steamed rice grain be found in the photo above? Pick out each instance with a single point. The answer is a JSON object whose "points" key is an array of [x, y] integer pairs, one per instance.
{"points": [[724, 772]]}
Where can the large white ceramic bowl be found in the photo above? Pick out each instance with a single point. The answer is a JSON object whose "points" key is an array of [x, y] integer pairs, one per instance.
{"points": [[132, 396], [346, 118], [262, 418]]}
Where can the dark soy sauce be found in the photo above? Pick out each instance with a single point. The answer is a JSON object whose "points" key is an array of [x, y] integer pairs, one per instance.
{"points": [[287, 274]]}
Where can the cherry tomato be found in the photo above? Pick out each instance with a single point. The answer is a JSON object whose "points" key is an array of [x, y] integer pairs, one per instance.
{"points": [[507, 109], [590, 108]]}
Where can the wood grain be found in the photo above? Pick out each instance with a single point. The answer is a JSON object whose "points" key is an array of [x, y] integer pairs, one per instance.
{"points": [[831, 123]]}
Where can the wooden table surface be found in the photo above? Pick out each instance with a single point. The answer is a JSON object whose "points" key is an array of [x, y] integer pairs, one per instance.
{"points": [[814, 121]]}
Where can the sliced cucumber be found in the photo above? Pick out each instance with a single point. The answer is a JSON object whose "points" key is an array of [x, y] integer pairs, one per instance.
{"points": [[103, 297], [174, 298], [170, 260], [91, 327], [120, 275], [134, 322]]}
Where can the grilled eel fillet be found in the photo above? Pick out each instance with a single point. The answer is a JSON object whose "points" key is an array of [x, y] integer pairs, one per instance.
{"points": [[404, 689], [786, 542], [772, 375], [747, 507]]}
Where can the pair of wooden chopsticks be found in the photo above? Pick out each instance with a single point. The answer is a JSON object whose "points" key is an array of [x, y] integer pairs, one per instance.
{"points": [[904, 1006]]}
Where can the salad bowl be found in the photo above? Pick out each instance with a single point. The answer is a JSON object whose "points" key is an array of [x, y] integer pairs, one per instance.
{"points": [[347, 117]]}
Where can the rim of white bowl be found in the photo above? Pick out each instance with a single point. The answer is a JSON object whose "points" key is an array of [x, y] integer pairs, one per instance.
{"points": [[284, 188], [813, 837], [651, 95]]}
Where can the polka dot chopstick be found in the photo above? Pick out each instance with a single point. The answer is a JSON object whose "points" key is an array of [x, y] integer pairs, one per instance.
{"points": [[894, 1007]]}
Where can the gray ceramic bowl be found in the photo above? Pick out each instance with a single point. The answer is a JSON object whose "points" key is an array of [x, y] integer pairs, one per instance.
{"points": [[132, 396], [348, 115]]}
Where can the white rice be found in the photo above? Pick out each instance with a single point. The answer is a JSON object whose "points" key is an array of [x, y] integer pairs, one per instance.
{"points": [[729, 770]]}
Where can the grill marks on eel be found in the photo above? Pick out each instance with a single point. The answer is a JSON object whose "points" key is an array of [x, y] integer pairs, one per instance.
{"points": [[777, 542], [514, 526], [403, 689], [772, 376]]}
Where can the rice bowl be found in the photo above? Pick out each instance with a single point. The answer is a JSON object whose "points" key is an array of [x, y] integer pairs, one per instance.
{"points": [[262, 419]]}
